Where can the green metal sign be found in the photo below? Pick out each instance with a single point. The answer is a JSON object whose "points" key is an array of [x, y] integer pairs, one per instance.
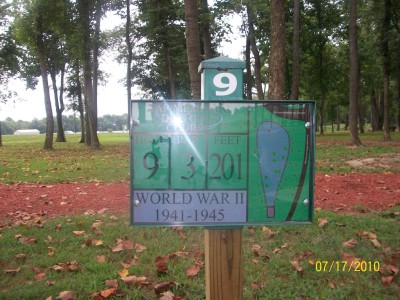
{"points": [[221, 163], [222, 79]]}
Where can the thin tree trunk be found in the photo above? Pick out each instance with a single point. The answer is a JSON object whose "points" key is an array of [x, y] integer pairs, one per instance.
{"points": [[170, 71], [354, 76], [338, 118], [48, 143], [1, 136], [59, 109], [96, 50], [249, 77], [193, 45], [91, 140], [205, 29], [386, 72], [80, 102], [276, 80], [295, 87], [256, 54], [130, 53]]}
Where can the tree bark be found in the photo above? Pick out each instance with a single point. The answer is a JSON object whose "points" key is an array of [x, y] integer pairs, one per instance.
{"points": [[249, 77], [59, 108], [130, 52], [48, 143], [91, 130], [193, 45], [386, 71], [295, 87], [276, 90], [256, 54], [354, 76], [205, 29]]}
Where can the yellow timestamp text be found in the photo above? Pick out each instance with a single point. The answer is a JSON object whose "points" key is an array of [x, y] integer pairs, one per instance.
{"points": [[345, 266]]}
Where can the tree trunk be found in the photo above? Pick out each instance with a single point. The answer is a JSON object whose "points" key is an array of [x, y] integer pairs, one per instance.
{"points": [[256, 54], [193, 45], [338, 120], [96, 50], [91, 136], [80, 102], [386, 71], [170, 72], [249, 77], [354, 76], [59, 109], [295, 87], [276, 90], [1, 136], [130, 53], [48, 143], [205, 29]]}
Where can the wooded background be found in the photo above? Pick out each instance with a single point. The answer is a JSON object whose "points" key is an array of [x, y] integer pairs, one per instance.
{"points": [[342, 53]]}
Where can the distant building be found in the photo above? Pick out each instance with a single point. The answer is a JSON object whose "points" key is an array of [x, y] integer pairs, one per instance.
{"points": [[26, 132]]}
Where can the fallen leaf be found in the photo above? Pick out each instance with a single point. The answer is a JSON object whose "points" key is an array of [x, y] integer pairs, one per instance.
{"points": [[350, 243], [78, 232], [268, 231], [49, 283], [285, 245], [101, 258], [12, 271], [21, 256], [123, 245], [296, 265], [387, 280], [367, 235], [93, 242], [255, 286], [193, 270], [112, 283], [350, 259], [139, 248], [108, 293], [375, 243], [130, 263], [67, 266], [27, 240], [255, 248], [167, 296], [161, 264], [40, 276], [123, 273], [163, 286], [96, 225], [66, 295], [138, 281], [322, 222]]}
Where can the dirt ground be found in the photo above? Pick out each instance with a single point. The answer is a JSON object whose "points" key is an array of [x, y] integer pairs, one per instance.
{"points": [[348, 193]]}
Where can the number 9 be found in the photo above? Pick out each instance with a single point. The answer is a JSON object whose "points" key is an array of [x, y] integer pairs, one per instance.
{"points": [[228, 88]]}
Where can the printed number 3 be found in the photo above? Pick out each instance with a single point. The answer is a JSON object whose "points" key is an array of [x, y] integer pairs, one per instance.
{"points": [[227, 88]]}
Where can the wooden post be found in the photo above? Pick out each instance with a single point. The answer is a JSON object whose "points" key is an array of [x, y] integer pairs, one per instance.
{"points": [[223, 264]]}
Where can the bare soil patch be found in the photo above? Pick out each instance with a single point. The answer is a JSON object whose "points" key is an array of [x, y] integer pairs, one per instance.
{"points": [[348, 193]]}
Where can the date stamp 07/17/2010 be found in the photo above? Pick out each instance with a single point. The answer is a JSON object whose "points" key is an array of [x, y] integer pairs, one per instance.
{"points": [[346, 266]]}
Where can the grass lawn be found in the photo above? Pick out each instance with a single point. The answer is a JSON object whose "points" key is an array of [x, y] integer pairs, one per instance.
{"points": [[99, 256]]}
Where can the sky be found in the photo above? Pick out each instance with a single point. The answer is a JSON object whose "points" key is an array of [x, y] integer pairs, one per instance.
{"points": [[29, 104]]}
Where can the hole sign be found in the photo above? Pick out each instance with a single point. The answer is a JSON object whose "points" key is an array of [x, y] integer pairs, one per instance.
{"points": [[227, 88]]}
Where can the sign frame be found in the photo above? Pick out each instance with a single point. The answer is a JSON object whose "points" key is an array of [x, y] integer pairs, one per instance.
{"points": [[167, 193]]}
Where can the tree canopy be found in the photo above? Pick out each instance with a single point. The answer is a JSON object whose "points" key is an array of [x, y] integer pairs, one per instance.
{"points": [[298, 49]]}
